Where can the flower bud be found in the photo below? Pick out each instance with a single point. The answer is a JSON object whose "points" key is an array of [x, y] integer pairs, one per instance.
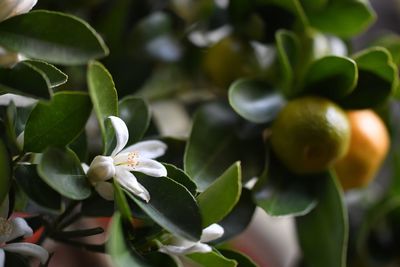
{"points": [[101, 169], [10, 8]]}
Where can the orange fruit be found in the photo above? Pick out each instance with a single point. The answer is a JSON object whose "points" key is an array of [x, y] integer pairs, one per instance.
{"points": [[369, 145], [310, 134]]}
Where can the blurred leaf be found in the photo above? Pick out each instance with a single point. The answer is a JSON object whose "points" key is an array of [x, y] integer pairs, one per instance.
{"points": [[211, 259], [61, 169], [80, 146], [221, 196], [55, 76], [121, 201], [294, 6], [171, 206], [181, 178], [377, 79], [342, 18], [135, 112], [325, 229], [239, 218], [288, 47], [58, 122], [226, 143], [52, 36], [175, 151], [255, 101], [96, 206], [331, 76], [241, 259], [122, 254], [285, 193], [34, 83], [5, 170], [35, 188], [160, 259], [16, 260], [104, 96]]}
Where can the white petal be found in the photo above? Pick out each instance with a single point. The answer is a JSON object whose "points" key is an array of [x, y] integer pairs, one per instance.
{"points": [[147, 149], [2, 257], [105, 190], [182, 250], [19, 228], [85, 167], [28, 249], [129, 182], [212, 232], [4, 208], [9, 59], [24, 6], [6, 8], [150, 167], [101, 169], [121, 134]]}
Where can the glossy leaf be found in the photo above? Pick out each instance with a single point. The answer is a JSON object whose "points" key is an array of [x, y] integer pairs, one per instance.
{"points": [[55, 76], [35, 188], [282, 192], [135, 113], [5, 170], [34, 83], [325, 229], [171, 206], [241, 259], [181, 177], [207, 159], [288, 48], [342, 18], [58, 122], [61, 169], [377, 79], [52, 36], [221, 196], [122, 254], [331, 76], [211, 259], [255, 101], [104, 96]]}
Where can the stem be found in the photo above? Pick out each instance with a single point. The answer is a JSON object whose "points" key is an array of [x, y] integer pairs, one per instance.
{"points": [[71, 206], [79, 233]]}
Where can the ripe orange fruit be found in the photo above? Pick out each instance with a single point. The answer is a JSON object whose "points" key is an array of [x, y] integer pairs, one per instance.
{"points": [[310, 134], [369, 145]]}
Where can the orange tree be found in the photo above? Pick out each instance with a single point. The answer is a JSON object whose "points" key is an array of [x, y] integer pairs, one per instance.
{"points": [[191, 100]]}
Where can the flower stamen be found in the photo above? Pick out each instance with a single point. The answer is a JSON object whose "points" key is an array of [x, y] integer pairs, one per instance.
{"points": [[133, 159]]}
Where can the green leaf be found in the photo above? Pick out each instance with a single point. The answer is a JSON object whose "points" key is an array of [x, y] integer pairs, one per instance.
{"points": [[211, 259], [325, 229], [171, 206], [34, 83], [5, 171], [61, 169], [181, 177], [35, 188], [377, 79], [241, 259], [121, 201], [221, 196], [104, 96], [58, 122], [288, 48], [160, 259], [285, 193], [135, 112], [392, 43], [342, 18], [52, 36], [122, 254], [204, 161], [331, 76], [55, 76], [255, 100]]}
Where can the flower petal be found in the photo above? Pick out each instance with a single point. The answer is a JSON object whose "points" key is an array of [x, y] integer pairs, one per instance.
{"points": [[150, 167], [85, 167], [101, 169], [24, 6], [2, 257], [182, 250], [28, 249], [147, 149], [6, 8], [19, 228], [129, 182], [105, 190], [121, 134], [212, 232]]}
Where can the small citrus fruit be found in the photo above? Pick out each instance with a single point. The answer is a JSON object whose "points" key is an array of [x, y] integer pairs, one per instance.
{"points": [[310, 134], [369, 145]]}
